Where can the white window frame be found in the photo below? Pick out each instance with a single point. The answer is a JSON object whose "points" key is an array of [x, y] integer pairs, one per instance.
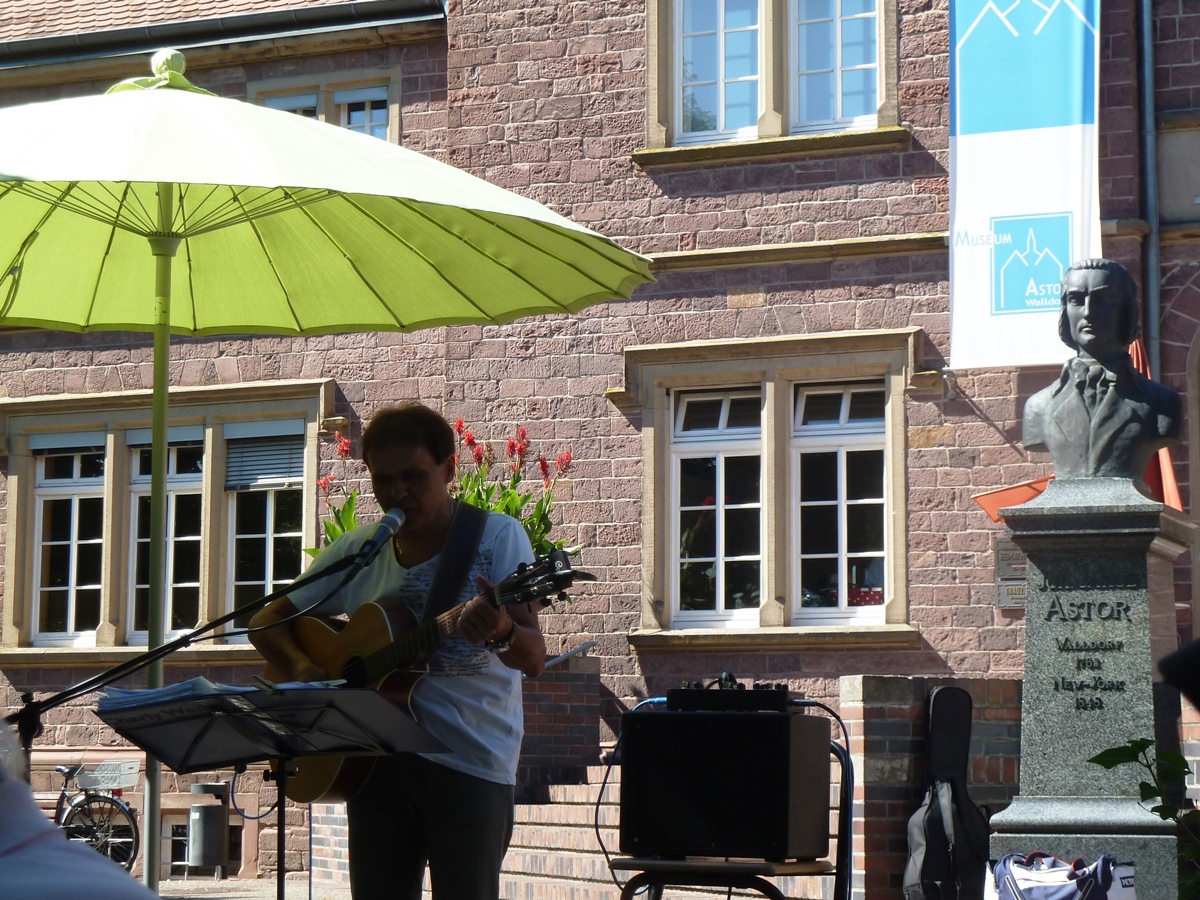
{"points": [[271, 486], [840, 438], [722, 442], [118, 422], [892, 357], [75, 489], [839, 121], [371, 99], [189, 484], [331, 95], [778, 95], [722, 132]]}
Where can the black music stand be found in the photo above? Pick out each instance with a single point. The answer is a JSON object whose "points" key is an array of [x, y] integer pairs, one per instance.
{"points": [[236, 726]]}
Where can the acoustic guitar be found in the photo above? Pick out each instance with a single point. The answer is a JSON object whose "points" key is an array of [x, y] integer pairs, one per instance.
{"points": [[381, 646]]}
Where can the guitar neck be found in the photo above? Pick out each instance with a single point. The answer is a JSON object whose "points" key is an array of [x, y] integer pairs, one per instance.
{"points": [[413, 644]]}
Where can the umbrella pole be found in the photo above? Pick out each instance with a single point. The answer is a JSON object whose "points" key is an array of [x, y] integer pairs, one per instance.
{"points": [[163, 246]]}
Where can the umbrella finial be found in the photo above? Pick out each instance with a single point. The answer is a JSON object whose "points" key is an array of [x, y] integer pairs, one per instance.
{"points": [[168, 60], [168, 66]]}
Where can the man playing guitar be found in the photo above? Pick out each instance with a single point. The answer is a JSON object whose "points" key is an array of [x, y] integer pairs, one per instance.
{"points": [[452, 811]]}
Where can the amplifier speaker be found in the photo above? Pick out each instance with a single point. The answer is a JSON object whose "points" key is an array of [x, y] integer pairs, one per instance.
{"points": [[738, 784]]}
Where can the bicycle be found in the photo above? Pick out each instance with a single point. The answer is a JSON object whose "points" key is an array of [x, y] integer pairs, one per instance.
{"points": [[95, 812]]}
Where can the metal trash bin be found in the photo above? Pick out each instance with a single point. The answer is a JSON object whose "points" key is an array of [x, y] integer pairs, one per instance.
{"points": [[208, 829]]}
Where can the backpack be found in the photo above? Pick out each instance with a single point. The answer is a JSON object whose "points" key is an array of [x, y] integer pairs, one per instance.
{"points": [[1040, 876], [948, 834]]}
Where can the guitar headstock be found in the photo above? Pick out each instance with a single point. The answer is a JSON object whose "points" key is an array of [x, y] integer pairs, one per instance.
{"points": [[541, 581]]}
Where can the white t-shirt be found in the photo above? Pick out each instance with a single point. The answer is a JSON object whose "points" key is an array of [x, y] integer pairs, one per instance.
{"points": [[469, 700]]}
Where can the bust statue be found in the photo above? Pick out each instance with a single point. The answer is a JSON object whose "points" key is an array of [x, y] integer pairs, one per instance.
{"points": [[1101, 418]]}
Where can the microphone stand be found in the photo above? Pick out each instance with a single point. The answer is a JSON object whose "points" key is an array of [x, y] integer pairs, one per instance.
{"points": [[29, 718]]}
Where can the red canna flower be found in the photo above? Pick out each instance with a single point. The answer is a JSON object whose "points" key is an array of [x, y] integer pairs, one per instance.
{"points": [[517, 448], [324, 483], [343, 445], [484, 486], [562, 464]]}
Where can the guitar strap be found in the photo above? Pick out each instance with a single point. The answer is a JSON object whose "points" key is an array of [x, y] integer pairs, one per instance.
{"points": [[462, 543]]}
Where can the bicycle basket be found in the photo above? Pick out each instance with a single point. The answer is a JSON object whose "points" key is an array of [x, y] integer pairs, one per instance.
{"points": [[109, 775]]}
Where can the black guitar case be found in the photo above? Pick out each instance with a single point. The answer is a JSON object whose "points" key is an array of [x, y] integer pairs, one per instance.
{"points": [[948, 834]]}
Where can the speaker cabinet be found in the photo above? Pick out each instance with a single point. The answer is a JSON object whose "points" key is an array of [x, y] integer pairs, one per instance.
{"points": [[738, 784]]}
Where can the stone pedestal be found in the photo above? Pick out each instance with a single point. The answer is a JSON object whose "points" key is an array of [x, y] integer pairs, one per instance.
{"points": [[1099, 614]]}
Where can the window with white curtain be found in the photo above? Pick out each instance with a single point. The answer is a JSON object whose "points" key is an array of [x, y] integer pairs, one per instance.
{"points": [[264, 481]]}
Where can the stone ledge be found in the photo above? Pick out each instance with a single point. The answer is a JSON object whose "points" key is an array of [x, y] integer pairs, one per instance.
{"points": [[809, 251], [54, 657], [815, 637], [1078, 815], [895, 137]]}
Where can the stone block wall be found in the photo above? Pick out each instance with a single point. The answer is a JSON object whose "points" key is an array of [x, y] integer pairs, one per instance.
{"points": [[330, 844], [562, 726]]}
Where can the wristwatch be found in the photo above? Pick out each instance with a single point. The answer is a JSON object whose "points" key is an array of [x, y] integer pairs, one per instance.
{"points": [[504, 643]]}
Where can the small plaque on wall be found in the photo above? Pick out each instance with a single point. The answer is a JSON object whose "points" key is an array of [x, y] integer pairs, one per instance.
{"points": [[1010, 574]]}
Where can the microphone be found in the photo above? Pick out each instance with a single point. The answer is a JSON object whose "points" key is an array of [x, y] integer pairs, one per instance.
{"points": [[384, 532]]}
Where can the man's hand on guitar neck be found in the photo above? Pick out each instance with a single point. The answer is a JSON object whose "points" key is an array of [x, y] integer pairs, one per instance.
{"points": [[514, 629]]}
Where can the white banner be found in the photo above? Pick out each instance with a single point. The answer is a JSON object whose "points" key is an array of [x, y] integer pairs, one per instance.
{"points": [[1024, 187]]}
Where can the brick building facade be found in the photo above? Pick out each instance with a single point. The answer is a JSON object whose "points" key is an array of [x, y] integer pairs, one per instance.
{"points": [[802, 267]]}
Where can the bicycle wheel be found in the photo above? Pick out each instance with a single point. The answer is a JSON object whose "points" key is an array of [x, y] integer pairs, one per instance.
{"points": [[106, 824]]}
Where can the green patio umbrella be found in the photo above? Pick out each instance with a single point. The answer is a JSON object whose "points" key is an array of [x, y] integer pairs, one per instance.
{"points": [[158, 207]]}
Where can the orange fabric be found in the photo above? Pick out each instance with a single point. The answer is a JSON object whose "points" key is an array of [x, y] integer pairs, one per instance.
{"points": [[1160, 473], [1014, 495]]}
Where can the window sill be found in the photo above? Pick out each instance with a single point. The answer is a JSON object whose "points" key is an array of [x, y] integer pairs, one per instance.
{"points": [[55, 657], [891, 137], [805, 637]]}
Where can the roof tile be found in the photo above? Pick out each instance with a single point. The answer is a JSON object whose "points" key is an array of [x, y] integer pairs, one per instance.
{"points": [[25, 19]]}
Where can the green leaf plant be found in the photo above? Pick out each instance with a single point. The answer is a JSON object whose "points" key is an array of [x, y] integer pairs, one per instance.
{"points": [[504, 489], [1164, 771], [477, 481]]}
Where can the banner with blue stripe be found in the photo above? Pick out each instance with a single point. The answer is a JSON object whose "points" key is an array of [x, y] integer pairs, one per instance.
{"points": [[1024, 188]]}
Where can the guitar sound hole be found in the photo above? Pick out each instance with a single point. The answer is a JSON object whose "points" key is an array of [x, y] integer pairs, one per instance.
{"points": [[355, 673]]}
